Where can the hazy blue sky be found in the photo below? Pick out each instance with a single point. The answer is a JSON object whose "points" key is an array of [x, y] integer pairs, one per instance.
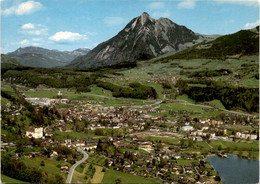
{"points": [[72, 24]]}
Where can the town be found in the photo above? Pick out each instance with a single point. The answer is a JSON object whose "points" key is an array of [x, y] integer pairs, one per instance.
{"points": [[131, 139]]}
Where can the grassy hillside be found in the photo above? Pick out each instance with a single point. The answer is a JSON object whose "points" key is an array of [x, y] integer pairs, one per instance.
{"points": [[244, 42], [9, 62], [7, 179]]}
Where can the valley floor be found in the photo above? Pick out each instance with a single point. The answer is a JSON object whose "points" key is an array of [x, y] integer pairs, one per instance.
{"points": [[128, 140]]}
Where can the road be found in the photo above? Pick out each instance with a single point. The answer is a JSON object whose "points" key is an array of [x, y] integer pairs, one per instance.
{"points": [[234, 112], [208, 144], [188, 103], [151, 133], [69, 178], [156, 102], [101, 96]]}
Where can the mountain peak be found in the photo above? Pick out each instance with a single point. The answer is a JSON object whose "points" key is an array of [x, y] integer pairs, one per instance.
{"points": [[142, 38], [145, 14], [145, 17]]}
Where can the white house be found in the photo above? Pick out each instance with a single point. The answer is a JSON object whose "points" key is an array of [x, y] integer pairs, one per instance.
{"points": [[39, 101], [246, 136], [36, 133], [187, 128]]}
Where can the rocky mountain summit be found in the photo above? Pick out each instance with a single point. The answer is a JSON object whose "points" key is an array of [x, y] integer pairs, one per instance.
{"points": [[142, 38]]}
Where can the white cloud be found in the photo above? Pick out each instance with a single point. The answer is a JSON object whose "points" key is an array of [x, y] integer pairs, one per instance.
{"points": [[187, 4], [159, 14], [28, 7], [23, 8], [28, 26], [37, 39], [252, 25], [33, 29], [156, 5], [33, 41], [243, 2], [113, 20], [66, 37], [24, 42], [38, 32]]}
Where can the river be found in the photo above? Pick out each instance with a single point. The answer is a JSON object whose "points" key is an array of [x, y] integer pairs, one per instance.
{"points": [[236, 170]]}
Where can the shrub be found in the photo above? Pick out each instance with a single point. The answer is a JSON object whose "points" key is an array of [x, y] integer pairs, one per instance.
{"points": [[42, 163]]}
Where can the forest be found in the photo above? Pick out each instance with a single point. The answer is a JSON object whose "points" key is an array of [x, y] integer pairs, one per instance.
{"points": [[231, 97], [135, 90]]}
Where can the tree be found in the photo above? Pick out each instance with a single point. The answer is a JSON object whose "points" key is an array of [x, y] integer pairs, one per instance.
{"points": [[42, 163], [228, 149], [240, 153], [59, 179], [217, 177], [106, 162], [20, 145], [35, 175], [59, 157], [182, 142], [99, 132], [118, 180], [163, 162], [190, 143], [219, 147], [78, 127]]}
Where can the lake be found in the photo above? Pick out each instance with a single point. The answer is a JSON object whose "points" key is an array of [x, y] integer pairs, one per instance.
{"points": [[235, 170]]}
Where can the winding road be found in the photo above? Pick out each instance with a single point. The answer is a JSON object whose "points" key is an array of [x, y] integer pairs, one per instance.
{"points": [[69, 178]]}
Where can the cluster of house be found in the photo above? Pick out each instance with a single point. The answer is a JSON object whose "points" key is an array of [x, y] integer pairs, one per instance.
{"points": [[110, 117], [89, 145], [215, 130], [204, 132], [238, 119], [158, 163], [12, 109], [244, 134], [44, 133]]}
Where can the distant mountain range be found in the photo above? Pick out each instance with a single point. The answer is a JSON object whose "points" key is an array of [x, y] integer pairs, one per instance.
{"points": [[142, 38], [45, 58]]}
